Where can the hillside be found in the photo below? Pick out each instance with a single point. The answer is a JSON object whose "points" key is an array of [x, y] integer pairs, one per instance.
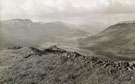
{"points": [[24, 32], [30, 65], [117, 40]]}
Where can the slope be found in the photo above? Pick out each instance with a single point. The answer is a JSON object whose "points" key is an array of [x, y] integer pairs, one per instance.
{"points": [[117, 39], [30, 65]]}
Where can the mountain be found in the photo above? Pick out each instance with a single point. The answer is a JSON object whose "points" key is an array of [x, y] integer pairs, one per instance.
{"points": [[26, 32], [53, 65], [118, 39]]}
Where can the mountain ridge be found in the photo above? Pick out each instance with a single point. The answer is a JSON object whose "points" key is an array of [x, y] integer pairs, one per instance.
{"points": [[117, 39], [25, 31]]}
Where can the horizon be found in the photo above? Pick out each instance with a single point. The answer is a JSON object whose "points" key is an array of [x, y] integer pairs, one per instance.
{"points": [[87, 12], [67, 22]]}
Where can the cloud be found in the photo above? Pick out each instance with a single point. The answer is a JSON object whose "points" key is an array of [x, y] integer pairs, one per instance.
{"points": [[121, 6], [43, 9]]}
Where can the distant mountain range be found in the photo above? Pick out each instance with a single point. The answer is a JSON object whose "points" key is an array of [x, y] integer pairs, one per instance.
{"points": [[26, 32], [118, 39]]}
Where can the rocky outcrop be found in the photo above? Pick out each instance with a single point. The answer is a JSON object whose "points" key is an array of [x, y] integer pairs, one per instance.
{"points": [[58, 66]]}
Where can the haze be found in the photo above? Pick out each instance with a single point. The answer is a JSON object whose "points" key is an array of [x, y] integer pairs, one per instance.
{"points": [[71, 11]]}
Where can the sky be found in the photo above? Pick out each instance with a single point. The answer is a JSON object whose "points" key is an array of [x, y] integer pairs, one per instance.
{"points": [[73, 11]]}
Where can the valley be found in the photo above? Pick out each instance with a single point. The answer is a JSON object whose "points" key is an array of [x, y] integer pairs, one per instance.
{"points": [[65, 54]]}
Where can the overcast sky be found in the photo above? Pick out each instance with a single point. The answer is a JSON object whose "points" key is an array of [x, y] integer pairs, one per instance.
{"points": [[68, 10]]}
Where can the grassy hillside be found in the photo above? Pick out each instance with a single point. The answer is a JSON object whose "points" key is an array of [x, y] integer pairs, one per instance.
{"points": [[118, 39], [29, 65]]}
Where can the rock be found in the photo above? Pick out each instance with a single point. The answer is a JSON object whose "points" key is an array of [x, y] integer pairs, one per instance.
{"points": [[58, 66]]}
